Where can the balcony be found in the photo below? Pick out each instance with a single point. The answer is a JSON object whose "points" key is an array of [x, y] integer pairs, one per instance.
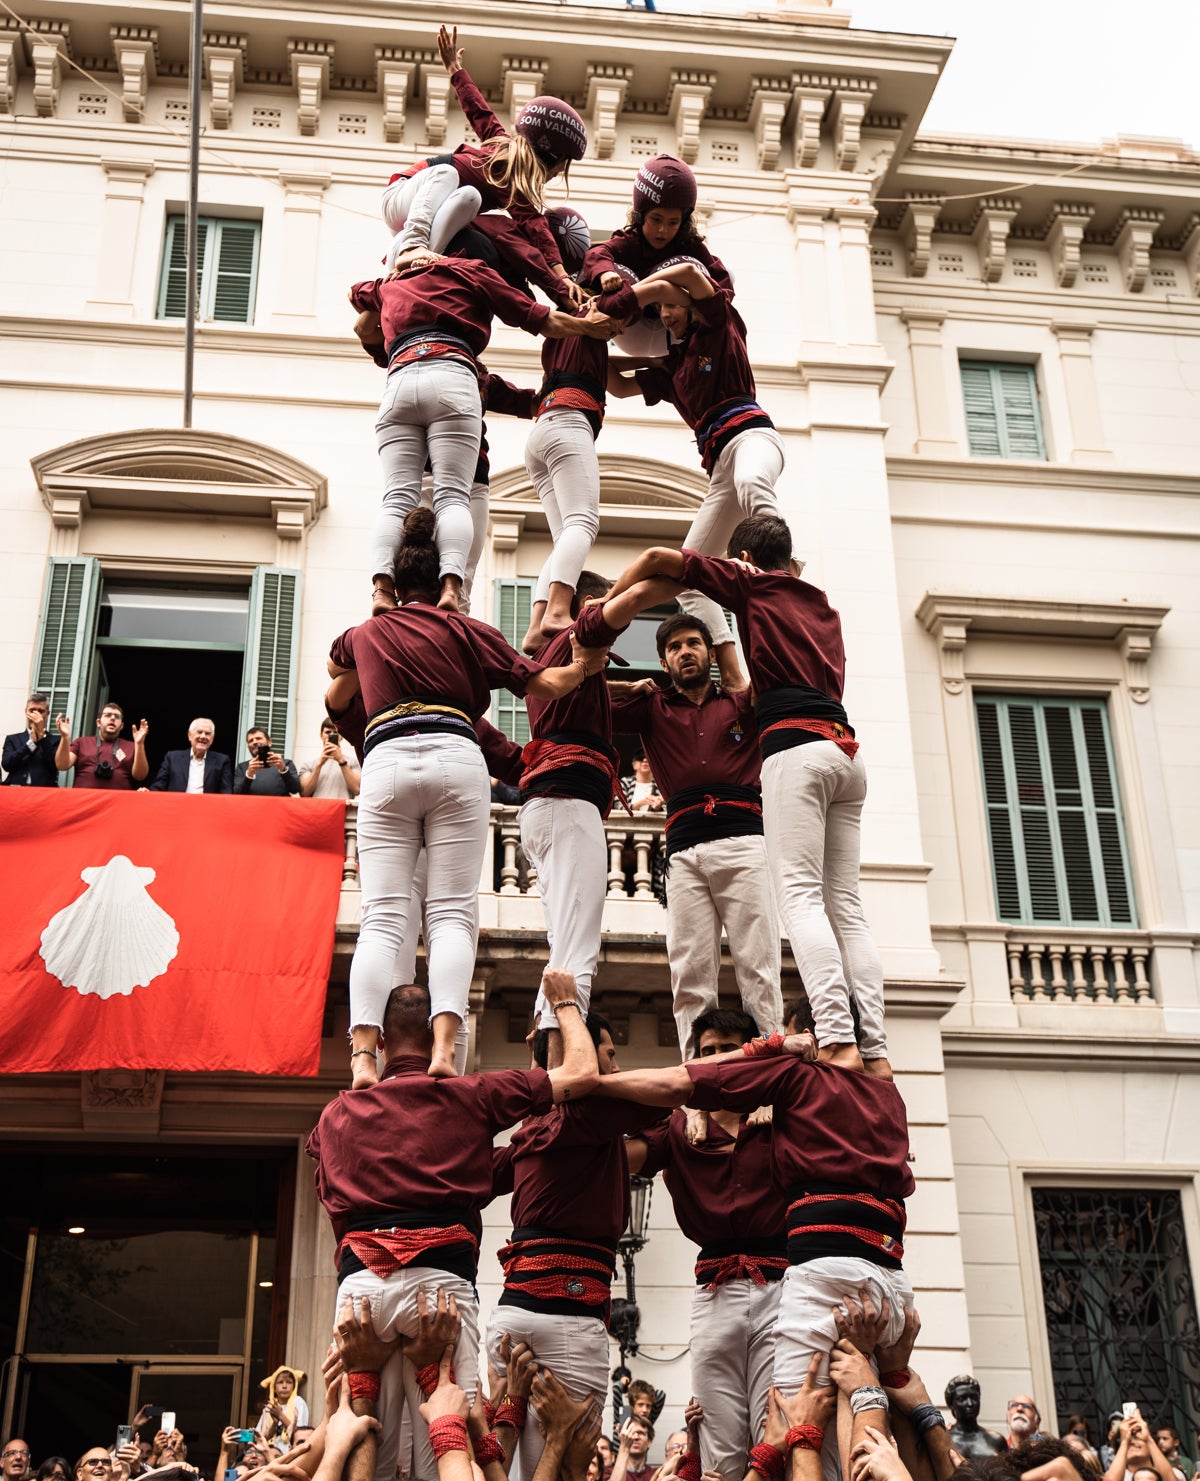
{"points": [[1073, 966]]}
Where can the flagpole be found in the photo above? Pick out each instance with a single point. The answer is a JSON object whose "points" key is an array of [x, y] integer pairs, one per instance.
{"points": [[195, 68]]}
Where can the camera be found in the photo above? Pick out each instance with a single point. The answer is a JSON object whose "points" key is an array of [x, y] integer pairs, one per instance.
{"points": [[262, 752], [333, 738], [103, 771]]}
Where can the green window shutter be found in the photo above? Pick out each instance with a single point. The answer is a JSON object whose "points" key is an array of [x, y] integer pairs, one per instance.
{"points": [[272, 645], [172, 288], [1001, 405], [514, 608], [67, 637], [1054, 817], [231, 285]]}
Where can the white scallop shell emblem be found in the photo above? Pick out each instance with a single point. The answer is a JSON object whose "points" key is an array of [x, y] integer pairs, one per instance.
{"points": [[114, 937]]}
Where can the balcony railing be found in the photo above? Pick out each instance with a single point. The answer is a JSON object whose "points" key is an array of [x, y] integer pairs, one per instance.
{"points": [[633, 845], [1073, 966]]}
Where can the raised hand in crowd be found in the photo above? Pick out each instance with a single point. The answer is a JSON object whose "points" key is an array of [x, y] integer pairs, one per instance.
{"points": [[345, 1431], [858, 1321], [876, 1458], [436, 1330], [360, 1347], [571, 1428]]}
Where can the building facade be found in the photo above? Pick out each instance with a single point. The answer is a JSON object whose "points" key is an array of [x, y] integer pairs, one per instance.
{"points": [[983, 358]]}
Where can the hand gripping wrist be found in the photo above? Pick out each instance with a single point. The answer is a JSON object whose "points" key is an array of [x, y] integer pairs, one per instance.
{"points": [[763, 1048], [448, 1433]]}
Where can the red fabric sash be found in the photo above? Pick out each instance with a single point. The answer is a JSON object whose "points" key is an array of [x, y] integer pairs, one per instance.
{"points": [[739, 1267], [384, 1251], [541, 756], [568, 398], [710, 805], [827, 729]]}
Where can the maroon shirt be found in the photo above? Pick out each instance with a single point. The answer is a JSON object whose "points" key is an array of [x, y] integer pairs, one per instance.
{"points": [[421, 652], [710, 365], [469, 161], [629, 247], [723, 1190], [457, 294], [513, 244], [88, 750], [831, 1126], [588, 709], [577, 356], [570, 1171], [789, 632], [688, 745], [412, 1143]]}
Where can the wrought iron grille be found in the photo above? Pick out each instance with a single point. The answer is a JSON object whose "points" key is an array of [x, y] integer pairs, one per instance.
{"points": [[1120, 1304]]}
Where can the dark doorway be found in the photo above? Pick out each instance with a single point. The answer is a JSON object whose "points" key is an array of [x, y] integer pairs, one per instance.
{"points": [[170, 687]]}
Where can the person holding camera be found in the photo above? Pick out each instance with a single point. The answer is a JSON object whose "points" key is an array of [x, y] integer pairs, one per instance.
{"points": [[334, 772], [266, 773], [108, 758]]}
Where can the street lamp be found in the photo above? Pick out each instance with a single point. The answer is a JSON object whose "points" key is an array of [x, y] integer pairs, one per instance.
{"points": [[625, 1317]]}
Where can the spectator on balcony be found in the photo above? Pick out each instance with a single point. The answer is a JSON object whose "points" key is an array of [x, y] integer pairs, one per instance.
{"points": [[333, 772], [640, 790], [54, 1468], [14, 1460], [266, 773], [199, 768], [107, 759], [29, 753]]}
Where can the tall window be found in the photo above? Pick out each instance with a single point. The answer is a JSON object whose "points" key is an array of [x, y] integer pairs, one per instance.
{"points": [[1001, 403], [514, 607], [1120, 1305], [1054, 812], [227, 269]]}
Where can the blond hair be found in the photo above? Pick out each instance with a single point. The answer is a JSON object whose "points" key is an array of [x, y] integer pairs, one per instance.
{"points": [[514, 167]]}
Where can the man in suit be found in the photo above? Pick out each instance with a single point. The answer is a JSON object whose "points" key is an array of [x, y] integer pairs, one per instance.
{"points": [[29, 754], [198, 769]]}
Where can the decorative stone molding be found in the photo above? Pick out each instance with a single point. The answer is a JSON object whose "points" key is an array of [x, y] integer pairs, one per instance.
{"points": [[310, 63], [225, 65], [1134, 236], [1189, 245], [687, 101], [811, 96], [47, 48], [172, 471], [916, 232], [1063, 231], [1131, 628], [522, 79], [394, 76], [770, 99], [437, 104], [851, 99], [989, 231], [136, 51], [121, 1100], [11, 54], [607, 84]]}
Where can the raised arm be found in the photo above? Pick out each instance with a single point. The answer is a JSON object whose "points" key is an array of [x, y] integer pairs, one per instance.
{"points": [[578, 1074], [64, 756], [660, 560]]}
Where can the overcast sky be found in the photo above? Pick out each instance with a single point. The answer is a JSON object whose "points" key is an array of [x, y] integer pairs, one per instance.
{"points": [[1069, 70]]}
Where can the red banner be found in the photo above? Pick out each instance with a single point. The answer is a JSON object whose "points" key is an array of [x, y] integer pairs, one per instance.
{"points": [[149, 931]]}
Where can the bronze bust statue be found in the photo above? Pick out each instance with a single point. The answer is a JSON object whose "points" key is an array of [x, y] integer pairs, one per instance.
{"points": [[966, 1434]]}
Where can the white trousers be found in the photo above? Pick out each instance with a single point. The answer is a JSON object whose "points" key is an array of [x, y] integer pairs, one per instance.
{"points": [[722, 882], [406, 958], [431, 789], [806, 1325], [430, 408], [563, 839], [427, 209], [742, 483], [560, 458], [574, 1348], [813, 799], [733, 1352], [394, 1313]]}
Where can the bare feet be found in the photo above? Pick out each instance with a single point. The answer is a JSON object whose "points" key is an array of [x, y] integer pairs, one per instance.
{"points": [[553, 624], [532, 640], [844, 1056], [451, 591], [364, 1069], [414, 257], [441, 1066], [881, 1068], [696, 1125], [384, 598]]}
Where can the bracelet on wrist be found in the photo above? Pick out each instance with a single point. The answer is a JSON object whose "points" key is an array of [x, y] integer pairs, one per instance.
{"points": [[869, 1396], [926, 1417], [489, 1449], [767, 1461], [897, 1378], [763, 1047], [689, 1467], [805, 1437], [448, 1433], [427, 1377], [567, 1003], [364, 1386], [512, 1411]]}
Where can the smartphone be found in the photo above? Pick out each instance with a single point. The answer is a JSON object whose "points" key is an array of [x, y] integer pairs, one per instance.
{"points": [[262, 752], [231, 1474], [1129, 1411], [168, 1421], [334, 738], [245, 1437], [124, 1435], [153, 1411]]}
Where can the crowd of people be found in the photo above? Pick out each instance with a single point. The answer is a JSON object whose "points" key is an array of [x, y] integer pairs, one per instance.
{"points": [[781, 1137]]}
